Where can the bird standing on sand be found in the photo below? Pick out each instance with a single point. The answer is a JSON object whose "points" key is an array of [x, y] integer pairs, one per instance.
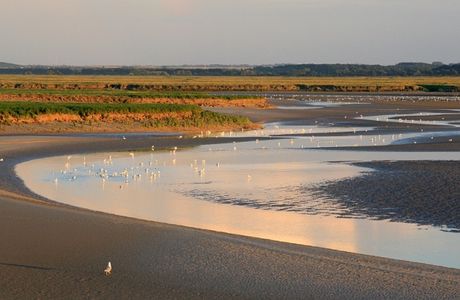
{"points": [[108, 269]]}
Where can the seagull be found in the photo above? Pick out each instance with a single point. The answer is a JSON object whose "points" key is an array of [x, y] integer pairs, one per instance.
{"points": [[108, 269]]}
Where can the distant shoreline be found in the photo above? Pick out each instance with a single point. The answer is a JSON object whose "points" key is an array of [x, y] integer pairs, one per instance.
{"points": [[206, 84], [320, 70]]}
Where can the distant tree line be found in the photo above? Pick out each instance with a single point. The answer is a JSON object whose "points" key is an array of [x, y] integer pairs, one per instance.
{"points": [[333, 70]]}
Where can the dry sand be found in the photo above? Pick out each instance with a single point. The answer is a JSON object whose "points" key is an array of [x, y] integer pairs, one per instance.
{"points": [[52, 251]]}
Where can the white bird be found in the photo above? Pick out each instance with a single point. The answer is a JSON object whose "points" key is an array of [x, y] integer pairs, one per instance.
{"points": [[108, 269]]}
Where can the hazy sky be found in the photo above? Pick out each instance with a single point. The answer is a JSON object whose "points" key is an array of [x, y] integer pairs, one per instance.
{"points": [[172, 32]]}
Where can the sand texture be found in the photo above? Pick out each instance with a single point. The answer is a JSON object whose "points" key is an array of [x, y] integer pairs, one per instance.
{"points": [[52, 251]]}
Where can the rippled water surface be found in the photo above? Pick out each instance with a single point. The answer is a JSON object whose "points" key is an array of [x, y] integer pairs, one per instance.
{"points": [[257, 188]]}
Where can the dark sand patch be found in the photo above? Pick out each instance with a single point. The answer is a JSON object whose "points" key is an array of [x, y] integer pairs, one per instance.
{"points": [[421, 192]]}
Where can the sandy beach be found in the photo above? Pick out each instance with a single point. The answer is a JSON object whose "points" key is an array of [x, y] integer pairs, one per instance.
{"points": [[50, 250]]}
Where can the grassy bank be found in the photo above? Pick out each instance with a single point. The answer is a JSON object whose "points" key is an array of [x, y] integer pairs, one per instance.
{"points": [[65, 117], [125, 96], [33, 109], [171, 84], [119, 93]]}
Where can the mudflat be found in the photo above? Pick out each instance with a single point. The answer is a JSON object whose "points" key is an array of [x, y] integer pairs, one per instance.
{"points": [[50, 250]]}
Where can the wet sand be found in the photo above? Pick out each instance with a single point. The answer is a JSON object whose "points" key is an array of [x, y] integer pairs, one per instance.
{"points": [[421, 192], [49, 250]]}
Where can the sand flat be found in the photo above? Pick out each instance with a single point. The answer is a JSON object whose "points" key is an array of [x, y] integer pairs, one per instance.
{"points": [[49, 250]]}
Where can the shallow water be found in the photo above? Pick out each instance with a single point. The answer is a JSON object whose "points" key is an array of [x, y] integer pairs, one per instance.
{"points": [[403, 118], [257, 188]]}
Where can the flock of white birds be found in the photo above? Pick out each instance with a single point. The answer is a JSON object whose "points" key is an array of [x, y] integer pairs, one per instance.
{"points": [[273, 137], [302, 137]]}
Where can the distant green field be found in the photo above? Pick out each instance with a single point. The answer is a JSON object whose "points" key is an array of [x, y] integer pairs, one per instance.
{"points": [[119, 93], [192, 84]]}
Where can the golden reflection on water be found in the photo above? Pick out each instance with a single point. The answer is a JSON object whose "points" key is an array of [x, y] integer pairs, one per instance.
{"points": [[276, 177], [165, 206]]}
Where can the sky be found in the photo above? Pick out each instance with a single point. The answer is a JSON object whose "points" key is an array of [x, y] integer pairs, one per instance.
{"points": [[176, 32]]}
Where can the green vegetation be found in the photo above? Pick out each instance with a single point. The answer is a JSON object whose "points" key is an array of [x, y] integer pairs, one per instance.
{"points": [[33, 109], [440, 88], [170, 115], [203, 119], [118, 93], [198, 87]]}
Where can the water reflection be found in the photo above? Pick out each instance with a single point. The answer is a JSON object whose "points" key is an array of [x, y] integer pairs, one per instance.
{"points": [[251, 188]]}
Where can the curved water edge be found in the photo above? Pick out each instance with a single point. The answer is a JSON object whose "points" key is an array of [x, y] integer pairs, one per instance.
{"points": [[404, 118], [251, 188]]}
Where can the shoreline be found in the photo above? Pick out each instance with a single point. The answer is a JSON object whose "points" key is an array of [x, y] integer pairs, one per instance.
{"points": [[72, 245]]}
